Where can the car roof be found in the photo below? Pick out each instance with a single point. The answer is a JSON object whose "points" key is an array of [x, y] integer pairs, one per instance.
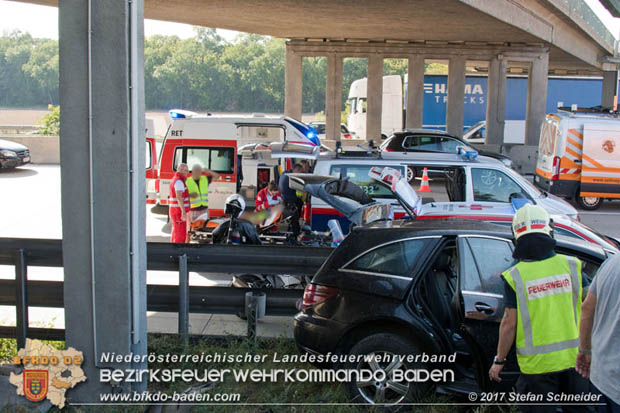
{"points": [[422, 131], [359, 156]]}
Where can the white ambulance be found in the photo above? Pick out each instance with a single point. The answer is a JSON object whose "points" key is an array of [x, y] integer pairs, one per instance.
{"points": [[213, 141], [579, 156]]}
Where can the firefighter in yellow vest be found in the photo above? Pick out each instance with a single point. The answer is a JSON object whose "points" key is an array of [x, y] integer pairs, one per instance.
{"points": [[542, 297], [198, 189]]}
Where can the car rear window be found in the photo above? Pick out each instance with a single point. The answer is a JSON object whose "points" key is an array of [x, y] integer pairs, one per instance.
{"points": [[395, 258]]}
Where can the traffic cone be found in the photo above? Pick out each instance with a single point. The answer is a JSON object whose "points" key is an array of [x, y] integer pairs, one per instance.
{"points": [[424, 187]]}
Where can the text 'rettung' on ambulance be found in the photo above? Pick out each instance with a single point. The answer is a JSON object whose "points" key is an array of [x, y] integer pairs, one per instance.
{"points": [[216, 142], [579, 156]]}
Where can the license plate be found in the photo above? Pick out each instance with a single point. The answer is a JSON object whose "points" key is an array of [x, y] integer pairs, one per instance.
{"points": [[26, 159]]}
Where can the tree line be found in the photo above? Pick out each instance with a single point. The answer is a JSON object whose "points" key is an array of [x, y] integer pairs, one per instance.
{"points": [[202, 73]]}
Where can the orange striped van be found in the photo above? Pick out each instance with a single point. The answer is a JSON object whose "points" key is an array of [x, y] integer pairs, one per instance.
{"points": [[579, 157]]}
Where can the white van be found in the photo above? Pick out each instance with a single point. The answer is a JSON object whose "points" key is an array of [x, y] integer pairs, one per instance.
{"points": [[514, 132], [391, 114], [216, 141], [579, 156]]}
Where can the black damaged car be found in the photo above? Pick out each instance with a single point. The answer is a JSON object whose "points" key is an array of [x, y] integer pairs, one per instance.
{"points": [[413, 287]]}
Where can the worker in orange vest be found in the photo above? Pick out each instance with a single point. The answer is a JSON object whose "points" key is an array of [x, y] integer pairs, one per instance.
{"points": [[178, 202]]}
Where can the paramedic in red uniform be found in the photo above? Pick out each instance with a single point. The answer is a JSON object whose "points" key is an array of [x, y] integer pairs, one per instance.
{"points": [[268, 196], [178, 201]]}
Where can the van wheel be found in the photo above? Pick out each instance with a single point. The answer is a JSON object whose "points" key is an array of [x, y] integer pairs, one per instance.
{"points": [[589, 203], [387, 391]]}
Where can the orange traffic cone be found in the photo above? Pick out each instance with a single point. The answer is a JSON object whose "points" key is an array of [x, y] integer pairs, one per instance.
{"points": [[424, 187]]}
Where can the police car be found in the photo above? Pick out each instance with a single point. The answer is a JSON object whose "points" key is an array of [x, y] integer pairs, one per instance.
{"points": [[469, 182]]}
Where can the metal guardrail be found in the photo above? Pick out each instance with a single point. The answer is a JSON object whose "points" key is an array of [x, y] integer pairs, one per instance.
{"points": [[181, 258]]}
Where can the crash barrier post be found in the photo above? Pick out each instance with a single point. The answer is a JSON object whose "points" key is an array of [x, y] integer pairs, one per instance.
{"points": [[183, 328], [254, 310], [21, 309], [22, 252]]}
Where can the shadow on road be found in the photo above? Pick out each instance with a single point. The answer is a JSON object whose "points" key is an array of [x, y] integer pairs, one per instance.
{"points": [[17, 172]]}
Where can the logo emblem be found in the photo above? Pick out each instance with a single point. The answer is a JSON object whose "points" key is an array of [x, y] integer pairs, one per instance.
{"points": [[609, 145], [35, 384]]}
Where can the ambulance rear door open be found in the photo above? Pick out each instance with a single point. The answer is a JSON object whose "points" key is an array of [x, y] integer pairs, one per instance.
{"points": [[257, 170], [600, 173]]}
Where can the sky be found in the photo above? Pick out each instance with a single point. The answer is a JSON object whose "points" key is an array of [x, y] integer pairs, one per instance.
{"points": [[42, 21]]}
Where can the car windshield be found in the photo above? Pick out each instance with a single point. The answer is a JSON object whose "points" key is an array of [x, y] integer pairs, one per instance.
{"points": [[473, 127], [526, 182]]}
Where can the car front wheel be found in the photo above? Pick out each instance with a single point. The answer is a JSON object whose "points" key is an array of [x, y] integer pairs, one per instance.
{"points": [[377, 354]]}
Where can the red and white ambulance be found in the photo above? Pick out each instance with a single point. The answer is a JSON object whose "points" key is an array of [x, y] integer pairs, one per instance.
{"points": [[213, 142]]}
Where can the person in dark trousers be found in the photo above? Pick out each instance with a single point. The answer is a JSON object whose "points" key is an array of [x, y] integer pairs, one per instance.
{"points": [[599, 335], [542, 298], [291, 202]]}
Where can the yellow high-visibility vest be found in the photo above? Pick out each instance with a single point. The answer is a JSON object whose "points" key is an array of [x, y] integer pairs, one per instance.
{"points": [[549, 309], [200, 191]]}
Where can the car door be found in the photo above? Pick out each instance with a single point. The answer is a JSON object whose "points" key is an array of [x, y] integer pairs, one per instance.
{"points": [[482, 259]]}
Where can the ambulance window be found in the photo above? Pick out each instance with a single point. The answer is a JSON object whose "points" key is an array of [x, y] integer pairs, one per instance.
{"points": [[222, 160], [492, 185], [197, 156], [217, 159], [260, 133]]}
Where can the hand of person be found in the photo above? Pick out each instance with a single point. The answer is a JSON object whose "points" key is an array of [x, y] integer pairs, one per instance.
{"points": [[583, 364], [494, 372], [183, 216]]}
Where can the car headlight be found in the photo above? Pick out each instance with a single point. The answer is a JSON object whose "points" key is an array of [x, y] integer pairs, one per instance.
{"points": [[8, 154], [507, 162]]}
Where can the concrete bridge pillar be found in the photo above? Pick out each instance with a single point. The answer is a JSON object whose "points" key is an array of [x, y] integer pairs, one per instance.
{"points": [[415, 91], [374, 96], [293, 84], [102, 175], [455, 109], [496, 101], [610, 89], [536, 98], [333, 97]]}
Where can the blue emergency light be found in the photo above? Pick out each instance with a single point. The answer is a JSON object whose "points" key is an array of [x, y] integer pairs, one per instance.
{"points": [[468, 155], [177, 115]]}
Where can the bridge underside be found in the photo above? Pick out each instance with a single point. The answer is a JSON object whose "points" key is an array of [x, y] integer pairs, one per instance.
{"points": [[575, 38]]}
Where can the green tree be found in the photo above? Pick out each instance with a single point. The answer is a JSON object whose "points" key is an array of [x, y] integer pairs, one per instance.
{"points": [[42, 67], [49, 124]]}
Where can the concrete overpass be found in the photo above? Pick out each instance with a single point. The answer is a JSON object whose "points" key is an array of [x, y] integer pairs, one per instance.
{"points": [[102, 100]]}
